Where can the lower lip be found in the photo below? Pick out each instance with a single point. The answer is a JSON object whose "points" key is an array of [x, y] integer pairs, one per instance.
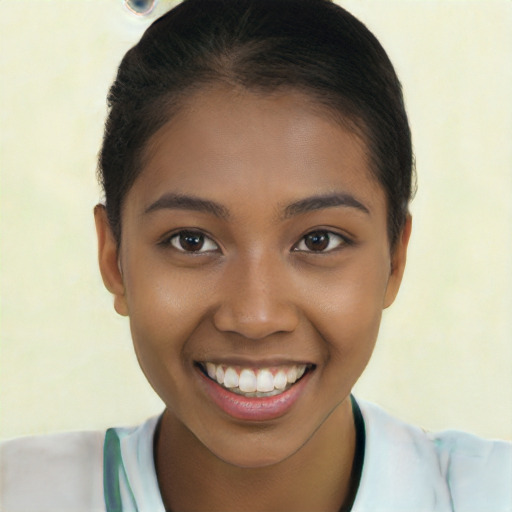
{"points": [[254, 409]]}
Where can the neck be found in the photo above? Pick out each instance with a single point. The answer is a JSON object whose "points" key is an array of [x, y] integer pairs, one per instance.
{"points": [[316, 477]]}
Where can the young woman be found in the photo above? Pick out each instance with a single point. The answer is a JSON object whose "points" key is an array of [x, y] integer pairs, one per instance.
{"points": [[257, 169]]}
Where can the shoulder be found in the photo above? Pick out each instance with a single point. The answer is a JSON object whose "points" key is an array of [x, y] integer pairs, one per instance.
{"points": [[59, 472], [416, 470], [478, 471]]}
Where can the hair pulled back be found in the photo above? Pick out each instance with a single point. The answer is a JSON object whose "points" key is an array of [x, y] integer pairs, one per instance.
{"points": [[311, 46]]}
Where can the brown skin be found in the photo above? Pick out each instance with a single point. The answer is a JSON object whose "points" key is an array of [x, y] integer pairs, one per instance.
{"points": [[254, 292]]}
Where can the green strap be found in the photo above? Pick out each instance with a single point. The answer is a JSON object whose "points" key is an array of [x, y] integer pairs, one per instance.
{"points": [[112, 469]]}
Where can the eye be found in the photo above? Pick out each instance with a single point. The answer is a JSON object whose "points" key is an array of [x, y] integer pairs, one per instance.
{"points": [[192, 241], [320, 241]]}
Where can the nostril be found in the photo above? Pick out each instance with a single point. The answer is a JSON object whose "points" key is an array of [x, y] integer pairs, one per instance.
{"points": [[256, 326]]}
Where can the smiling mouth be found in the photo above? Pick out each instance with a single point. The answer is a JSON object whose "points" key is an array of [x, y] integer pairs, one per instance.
{"points": [[255, 382]]}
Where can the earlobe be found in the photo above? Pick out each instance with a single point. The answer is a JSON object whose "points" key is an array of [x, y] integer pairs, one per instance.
{"points": [[398, 261], [108, 257]]}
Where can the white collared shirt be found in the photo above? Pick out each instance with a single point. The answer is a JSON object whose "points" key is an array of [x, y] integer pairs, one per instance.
{"points": [[404, 469]]}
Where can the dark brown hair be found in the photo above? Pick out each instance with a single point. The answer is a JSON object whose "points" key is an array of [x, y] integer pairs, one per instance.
{"points": [[313, 46]]}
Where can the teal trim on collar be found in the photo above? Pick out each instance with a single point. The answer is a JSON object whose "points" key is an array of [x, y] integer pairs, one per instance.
{"points": [[113, 467]]}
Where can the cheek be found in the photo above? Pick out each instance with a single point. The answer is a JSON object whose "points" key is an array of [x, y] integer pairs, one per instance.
{"points": [[347, 310], [165, 307], [162, 299]]}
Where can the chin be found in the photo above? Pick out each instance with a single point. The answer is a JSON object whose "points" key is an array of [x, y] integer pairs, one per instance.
{"points": [[258, 449], [253, 459]]}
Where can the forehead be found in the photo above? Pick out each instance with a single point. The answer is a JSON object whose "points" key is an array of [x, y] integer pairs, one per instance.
{"points": [[239, 146]]}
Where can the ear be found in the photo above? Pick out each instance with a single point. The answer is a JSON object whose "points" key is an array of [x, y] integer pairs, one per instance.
{"points": [[398, 260], [108, 256]]}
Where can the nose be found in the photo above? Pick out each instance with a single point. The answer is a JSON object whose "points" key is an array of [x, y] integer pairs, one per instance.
{"points": [[257, 300]]}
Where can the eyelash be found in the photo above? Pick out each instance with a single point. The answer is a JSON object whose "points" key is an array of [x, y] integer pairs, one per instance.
{"points": [[339, 240], [175, 240]]}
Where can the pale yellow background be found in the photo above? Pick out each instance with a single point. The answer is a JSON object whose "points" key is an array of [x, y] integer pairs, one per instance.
{"points": [[445, 354]]}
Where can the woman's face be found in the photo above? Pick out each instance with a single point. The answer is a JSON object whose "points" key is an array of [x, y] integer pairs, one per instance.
{"points": [[254, 247]]}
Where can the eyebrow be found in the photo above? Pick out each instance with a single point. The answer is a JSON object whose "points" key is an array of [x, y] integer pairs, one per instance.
{"points": [[172, 201], [185, 202], [324, 201]]}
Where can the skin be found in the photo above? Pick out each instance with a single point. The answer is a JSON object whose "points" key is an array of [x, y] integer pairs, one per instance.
{"points": [[256, 293]]}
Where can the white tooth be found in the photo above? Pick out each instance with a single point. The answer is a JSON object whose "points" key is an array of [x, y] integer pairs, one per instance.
{"points": [[300, 371], [219, 374], [265, 381], [247, 382], [230, 378], [280, 380], [210, 369], [291, 374]]}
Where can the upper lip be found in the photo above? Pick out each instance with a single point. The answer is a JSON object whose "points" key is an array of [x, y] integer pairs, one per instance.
{"points": [[255, 363]]}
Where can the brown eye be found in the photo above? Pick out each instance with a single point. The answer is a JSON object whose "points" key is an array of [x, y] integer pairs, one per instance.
{"points": [[192, 241], [320, 241], [317, 241]]}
